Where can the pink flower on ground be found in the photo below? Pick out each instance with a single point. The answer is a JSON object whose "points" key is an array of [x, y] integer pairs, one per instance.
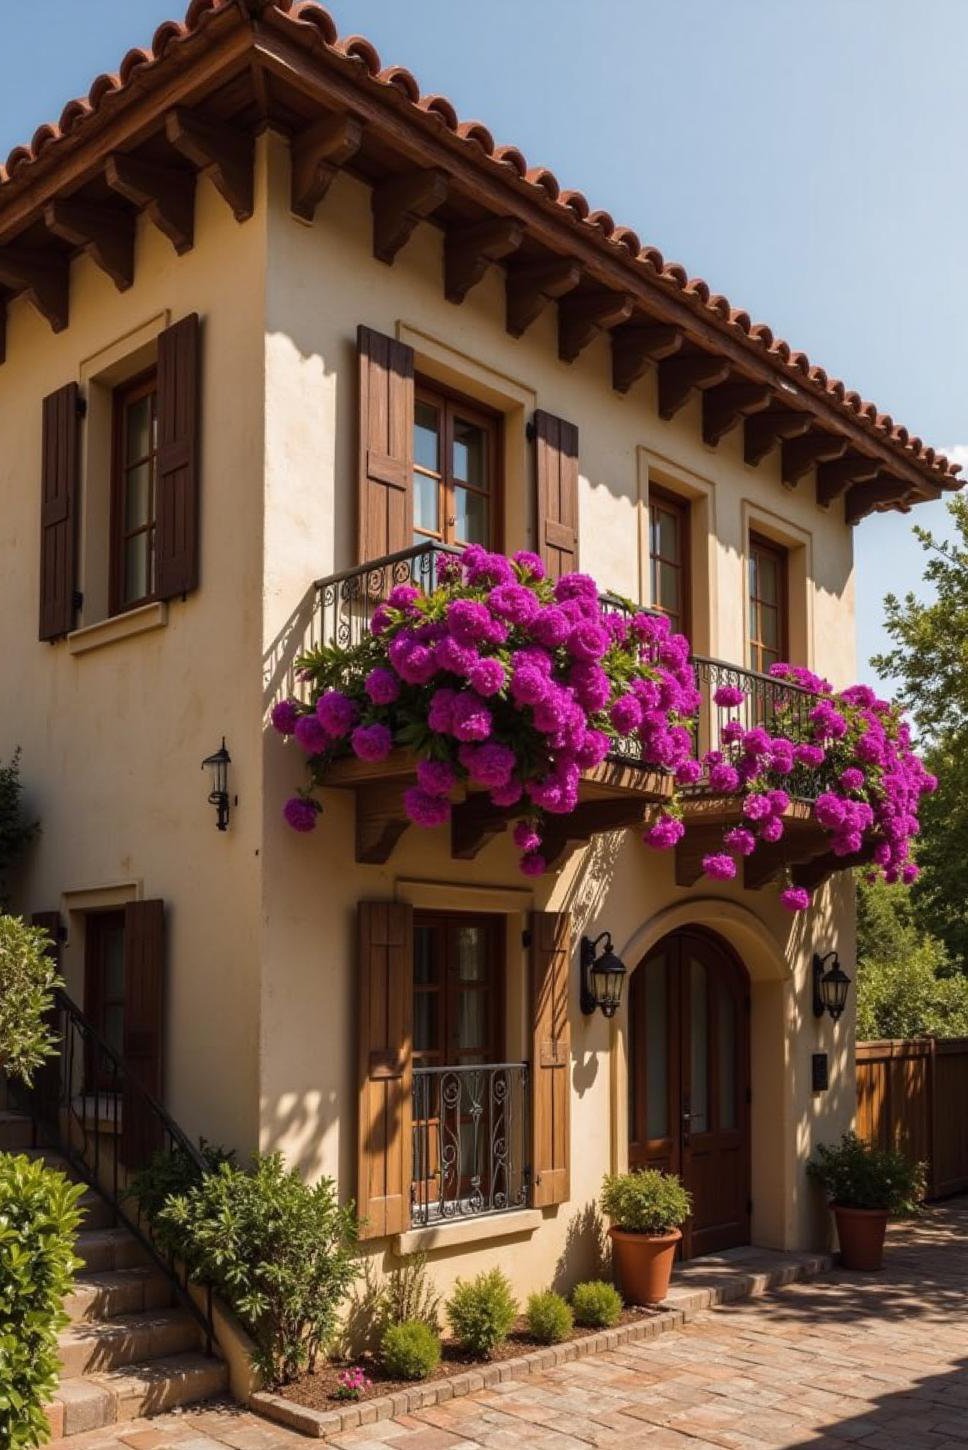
{"points": [[285, 715], [795, 898], [436, 777], [372, 742], [425, 810], [533, 864], [301, 813], [719, 867]]}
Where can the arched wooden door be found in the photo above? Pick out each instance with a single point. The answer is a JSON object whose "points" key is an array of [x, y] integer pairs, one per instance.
{"points": [[689, 1082]]}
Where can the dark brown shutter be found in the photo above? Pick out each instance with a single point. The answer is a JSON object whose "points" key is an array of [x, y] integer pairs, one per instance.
{"points": [[386, 445], [556, 492], [58, 511], [550, 1056], [385, 988], [176, 511], [144, 998], [47, 1093]]}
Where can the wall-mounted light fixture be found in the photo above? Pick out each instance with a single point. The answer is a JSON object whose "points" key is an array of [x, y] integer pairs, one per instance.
{"points": [[830, 985], [218, 766], [602, 976]]}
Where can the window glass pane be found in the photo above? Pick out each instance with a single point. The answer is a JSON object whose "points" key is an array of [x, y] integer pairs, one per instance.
{"points": [[656, 1050], [727, 1059], [669, 579], [770, 625], [699, 1057], [667, 530], [426, 495], [469, 460], [768, 579], [471, 954], [114, 1027], [426, 437], [471, 1022], [471, 524], [424, 967], [113, 963], [136, 568], [138, 442], [426, 1035], [137, 496]]}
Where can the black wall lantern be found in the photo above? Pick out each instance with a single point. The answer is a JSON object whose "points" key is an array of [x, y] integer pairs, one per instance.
{"points": [[830, 985], [218, 764], [602, 977]]}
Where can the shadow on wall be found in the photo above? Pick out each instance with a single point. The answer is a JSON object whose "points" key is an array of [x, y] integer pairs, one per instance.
{"points": [[585, 1252]]}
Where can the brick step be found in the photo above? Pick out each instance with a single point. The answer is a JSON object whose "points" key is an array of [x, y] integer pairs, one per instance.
{"points": [[92, 1347], [110, 1292], [100, 1399], [109, 1248], [97, 1212], [16, 1131]]}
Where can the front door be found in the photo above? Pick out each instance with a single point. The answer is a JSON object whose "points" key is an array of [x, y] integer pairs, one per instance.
{"points": [[689, 1082]]}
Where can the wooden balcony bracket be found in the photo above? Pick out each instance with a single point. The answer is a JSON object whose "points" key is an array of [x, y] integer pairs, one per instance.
{"points": [[399, 204], [765, 430], [105, 232], [837, 476], [44, 278], [679, 375], [635, 349], [225, 153], [318, 152], [531, 287], [799, 455], [725, 406], [470, 250], [582, 317], [166, 193]]}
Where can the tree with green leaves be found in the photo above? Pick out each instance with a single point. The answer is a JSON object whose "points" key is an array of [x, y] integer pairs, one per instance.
{"points": [[906, 983], [16, 829], [28, 976]]}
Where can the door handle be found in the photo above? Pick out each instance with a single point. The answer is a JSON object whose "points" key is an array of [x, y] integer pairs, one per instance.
{"points": [[686, 1125]]}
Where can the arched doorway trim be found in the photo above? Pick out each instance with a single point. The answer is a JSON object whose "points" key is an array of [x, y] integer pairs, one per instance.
{"points": [[754, 943]]}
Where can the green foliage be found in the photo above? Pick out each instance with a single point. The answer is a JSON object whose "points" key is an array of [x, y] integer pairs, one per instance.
{"points": [[170, 1174], [27, 981], [646, 1202], [410, 1350], [38, 1221], [549, 1317], [597, 1305], [482, 1311], [856, 1174], [16, 832], [906, 985], [408, 1296], [278, 1251]]}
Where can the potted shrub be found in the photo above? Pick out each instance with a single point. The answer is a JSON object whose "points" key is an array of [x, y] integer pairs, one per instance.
{"points": [[865, 1185], [647, 1209]]}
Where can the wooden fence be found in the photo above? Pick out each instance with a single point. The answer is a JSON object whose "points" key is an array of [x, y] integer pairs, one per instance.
{"points": [[913, 1095]]}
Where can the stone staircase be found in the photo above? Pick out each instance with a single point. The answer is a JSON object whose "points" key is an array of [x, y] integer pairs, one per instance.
{"points": [[129, 1349]]}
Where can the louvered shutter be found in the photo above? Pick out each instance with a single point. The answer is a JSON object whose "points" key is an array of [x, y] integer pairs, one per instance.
{"points": [[386, 445], [177, 504], [144, 1001], [556, 492], [550, 1057], [60, 474], [47, 1077], [385, 989]]}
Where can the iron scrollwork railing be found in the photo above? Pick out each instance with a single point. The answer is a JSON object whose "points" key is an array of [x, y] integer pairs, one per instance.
{"points": [[471, 1139], [345, 602]]}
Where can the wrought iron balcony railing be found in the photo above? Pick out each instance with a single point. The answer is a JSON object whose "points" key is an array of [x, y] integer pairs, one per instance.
{"points": [[471, 1140]]}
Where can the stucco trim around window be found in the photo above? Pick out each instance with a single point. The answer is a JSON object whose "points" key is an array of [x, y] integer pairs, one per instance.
{"points": [[471, 1230], [118, 627]]}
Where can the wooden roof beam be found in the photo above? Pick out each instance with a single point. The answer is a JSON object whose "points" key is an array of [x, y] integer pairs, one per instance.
{"points": [[166, 193], [765, 430], [399, 204], [725, 406], [679, 375], [581, 318], [799, 455], [104, 231], [863, 498], [318, 153], [225, 153], [44, 277], [470, 250], [836, 477], [635, 348], [532, 287]]}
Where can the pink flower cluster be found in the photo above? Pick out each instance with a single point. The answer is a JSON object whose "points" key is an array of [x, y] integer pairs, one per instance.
{"points": [[352, 1384]]}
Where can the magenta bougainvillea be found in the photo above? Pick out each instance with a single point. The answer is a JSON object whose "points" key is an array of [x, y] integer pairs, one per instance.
{"points": [[513, 684]]}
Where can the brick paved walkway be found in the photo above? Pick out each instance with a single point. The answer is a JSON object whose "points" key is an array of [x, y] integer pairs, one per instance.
{"points": [[879, 1362]]}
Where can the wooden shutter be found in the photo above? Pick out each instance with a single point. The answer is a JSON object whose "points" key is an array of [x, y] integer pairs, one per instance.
{"points": [[144, 999], [177, 504], [550, 1057], [385, 988], [386, 445], [60, 470], [47, 1077], [556, 492]]}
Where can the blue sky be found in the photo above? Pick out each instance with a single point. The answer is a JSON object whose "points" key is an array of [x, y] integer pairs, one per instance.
{"points": [[807, 160]]}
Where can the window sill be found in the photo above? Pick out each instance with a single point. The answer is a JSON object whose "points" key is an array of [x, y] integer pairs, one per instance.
{"points": [[469, 1230], [118, 627]]}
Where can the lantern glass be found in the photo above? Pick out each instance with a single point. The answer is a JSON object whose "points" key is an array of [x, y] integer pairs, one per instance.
{"points": [[217, 766], [833, 989], [607, 981]]}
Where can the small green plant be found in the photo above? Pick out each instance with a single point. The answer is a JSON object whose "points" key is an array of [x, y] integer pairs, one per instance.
{"points": [[410, 1350], [169, 1175], [549, 1317], [16, 831], [856, 1174], [409, 1296], [39, 1217], [279, 1251], [597, 1305], [28, 977], [481, 1312], [646, 1202]]}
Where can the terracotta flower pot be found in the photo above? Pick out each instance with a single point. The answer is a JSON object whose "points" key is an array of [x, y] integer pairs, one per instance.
{"points": [[643, 1264], [861, 1235]]}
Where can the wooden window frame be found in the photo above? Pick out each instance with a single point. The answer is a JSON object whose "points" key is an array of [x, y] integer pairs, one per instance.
{"points": [[447, 991], [123, 398], [95, 1000], [449, 402], [682, 508], [762, 545]]}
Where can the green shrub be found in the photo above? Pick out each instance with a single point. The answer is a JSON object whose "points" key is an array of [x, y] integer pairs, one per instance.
{"points": [[169, 1175], [408, 1296], [646, 1202], [855, 1174], [410, 1350], [278, 1251], [597, 1305], [16, 831], [28, 977], [38, 1221], [550, 1320], [481, 1312]]}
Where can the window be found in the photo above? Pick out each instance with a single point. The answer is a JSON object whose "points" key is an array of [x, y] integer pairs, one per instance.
{"points": [[104, 988], [456, 470], [458, 990], [767, 603], [133, 493], [669, 557]]}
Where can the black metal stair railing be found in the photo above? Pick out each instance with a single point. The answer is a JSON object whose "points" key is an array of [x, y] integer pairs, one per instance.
{"points": [[87, 1106]]}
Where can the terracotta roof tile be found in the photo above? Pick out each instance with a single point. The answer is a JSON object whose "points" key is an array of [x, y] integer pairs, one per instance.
{"points": [[312, 22]]}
